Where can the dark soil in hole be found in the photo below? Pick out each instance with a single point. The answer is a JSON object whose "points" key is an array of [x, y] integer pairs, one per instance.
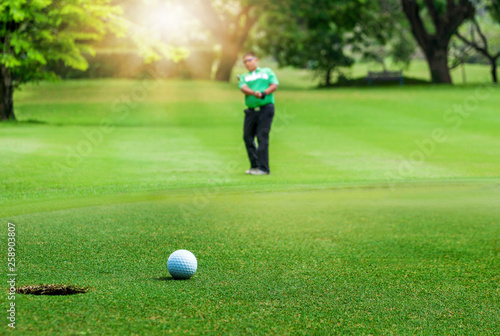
{"points": [[51, 290]]}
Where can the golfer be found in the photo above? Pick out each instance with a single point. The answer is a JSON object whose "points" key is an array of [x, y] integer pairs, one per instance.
{"points": [[258, 85]]}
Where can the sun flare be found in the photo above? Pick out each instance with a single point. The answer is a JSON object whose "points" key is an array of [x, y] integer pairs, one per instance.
{"points": [[166, 19]]}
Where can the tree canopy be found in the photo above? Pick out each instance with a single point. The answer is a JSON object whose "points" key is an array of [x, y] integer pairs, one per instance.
{"points": [[312, 34], [482, 34], [35, 32]]}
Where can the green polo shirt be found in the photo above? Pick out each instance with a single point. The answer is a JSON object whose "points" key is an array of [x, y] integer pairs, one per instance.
{"points": [[258, 80]]}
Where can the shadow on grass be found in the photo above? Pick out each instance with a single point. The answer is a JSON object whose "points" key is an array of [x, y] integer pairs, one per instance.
{"points": [[361, 82], [25, 122], [168, 278], [35, 122]]}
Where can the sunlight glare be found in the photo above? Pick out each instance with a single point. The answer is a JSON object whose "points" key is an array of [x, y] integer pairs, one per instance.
{"points": [[165, 19]]}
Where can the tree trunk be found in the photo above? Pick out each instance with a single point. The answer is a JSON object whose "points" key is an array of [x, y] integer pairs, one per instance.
{"points": [[6, 94], [464, 79], [232, 42], [328, 77], [438, 65], [494, 70], [446, 23], [227, 61]]}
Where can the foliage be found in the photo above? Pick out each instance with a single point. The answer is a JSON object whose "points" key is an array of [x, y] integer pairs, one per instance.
{"points": [[483, 37], [433, 23], [312, 34], [488, 27], [459, 53], [156, 30], [493, 7], [383, 34], [34, 33], [229, 23]]}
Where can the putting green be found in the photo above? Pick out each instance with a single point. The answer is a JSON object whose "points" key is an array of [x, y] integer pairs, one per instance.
{"points": [[348, 260]]}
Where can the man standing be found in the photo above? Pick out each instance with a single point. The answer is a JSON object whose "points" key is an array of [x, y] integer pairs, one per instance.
{"points": [[258, 85]]}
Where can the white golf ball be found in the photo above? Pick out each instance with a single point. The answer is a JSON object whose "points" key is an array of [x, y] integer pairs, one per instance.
{"points": [[182, 264]]}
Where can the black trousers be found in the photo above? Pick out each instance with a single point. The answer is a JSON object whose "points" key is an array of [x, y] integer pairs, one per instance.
{"points": [[258, 125]]}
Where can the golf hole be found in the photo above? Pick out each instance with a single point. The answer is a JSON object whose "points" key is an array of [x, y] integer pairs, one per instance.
{"points": [[51, 290]]}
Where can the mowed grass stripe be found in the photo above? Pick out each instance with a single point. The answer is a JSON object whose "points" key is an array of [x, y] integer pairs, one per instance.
{"points": [[144, 159], [403, 132], [374, 160], [193, 194], [333, 130]]}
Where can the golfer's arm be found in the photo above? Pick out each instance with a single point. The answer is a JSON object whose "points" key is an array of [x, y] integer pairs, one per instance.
{"points": [[271, 89], [246, 90]]}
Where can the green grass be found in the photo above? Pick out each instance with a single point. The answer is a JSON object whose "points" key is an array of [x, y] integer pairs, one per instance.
{"points": [[358, 230], [337, 261]]}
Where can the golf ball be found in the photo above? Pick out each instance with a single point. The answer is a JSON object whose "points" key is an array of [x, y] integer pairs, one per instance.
{"points": [[182, 264]]}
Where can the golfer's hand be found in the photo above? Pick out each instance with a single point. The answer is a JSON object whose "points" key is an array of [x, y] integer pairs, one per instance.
{"points": [[258, 94]]}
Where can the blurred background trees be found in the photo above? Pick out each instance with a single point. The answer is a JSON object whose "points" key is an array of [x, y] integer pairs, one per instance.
{"points": [[324, 36], [482, 34], [37, 36], [34, 33], [204, 39], [311, 34]]}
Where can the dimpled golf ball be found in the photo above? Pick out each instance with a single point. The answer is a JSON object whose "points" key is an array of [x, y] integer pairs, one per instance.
{"points": [[182, 264]]}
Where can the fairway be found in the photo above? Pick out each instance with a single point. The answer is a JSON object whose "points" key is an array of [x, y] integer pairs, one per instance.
{"points": [[381, 214]]}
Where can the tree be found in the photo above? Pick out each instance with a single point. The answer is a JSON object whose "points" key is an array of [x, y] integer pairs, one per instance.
{"points": [[383, 34], [434, 38], [478, 40], [493, 7], [32, 33], [458, 54], [230, 23], [312, 34]]}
